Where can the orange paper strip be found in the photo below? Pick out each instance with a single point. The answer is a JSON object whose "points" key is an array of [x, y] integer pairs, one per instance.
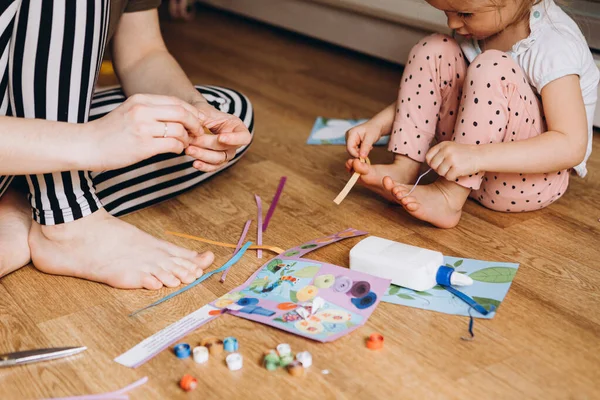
{"points": [[340, 197], [274, 249]]}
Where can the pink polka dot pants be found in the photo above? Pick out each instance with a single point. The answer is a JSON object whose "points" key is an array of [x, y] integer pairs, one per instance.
{"points": [[489, 101]]}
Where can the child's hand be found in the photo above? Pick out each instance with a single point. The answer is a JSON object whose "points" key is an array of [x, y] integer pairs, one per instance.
{"points": [[452, 160], [360, 139]]}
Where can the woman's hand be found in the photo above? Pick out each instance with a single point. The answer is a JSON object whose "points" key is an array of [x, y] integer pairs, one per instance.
{"points": [[141, 127], [361, 138], [452, 160], [228, 133]]}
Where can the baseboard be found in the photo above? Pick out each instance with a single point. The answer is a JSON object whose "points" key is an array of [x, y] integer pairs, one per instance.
{"points": [[343, 27]]}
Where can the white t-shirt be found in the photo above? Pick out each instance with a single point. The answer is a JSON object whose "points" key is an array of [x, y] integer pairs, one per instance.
{"points": [[554, 49]]}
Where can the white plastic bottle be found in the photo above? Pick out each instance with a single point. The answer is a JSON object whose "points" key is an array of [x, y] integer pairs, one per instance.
{"points": [[407, 266]]}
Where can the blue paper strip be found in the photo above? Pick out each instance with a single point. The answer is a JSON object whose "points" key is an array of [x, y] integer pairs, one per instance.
{"points": [[204, 277], [467, 299]]}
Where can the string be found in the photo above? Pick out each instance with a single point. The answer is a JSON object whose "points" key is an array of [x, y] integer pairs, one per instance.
{"points": [[204, 277], [416, 183], [116, 395], [274, 249], [471, 323], [274, 203], [259, 228], [242, 238], [351, 182]]}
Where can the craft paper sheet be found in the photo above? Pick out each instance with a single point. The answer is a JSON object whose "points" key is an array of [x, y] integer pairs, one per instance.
{"points": [[492, 281], [333, 131], [274, 293], [345, 300]]}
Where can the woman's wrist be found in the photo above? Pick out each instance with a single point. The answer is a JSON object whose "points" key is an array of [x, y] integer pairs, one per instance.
{"points": [[84, 149]]}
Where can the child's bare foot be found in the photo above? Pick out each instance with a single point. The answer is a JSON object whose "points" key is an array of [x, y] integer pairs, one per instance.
{"points": [[403, 169], [440, 203], [15, 221], [105, 249]]}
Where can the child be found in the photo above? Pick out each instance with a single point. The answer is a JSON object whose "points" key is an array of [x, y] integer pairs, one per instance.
{"points": [[510, 102]]}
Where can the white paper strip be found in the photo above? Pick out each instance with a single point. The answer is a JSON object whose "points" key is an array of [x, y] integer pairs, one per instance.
{"points": [[156, 343]]}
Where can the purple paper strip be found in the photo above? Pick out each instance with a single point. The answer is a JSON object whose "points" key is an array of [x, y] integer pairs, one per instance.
{"points": [[259, 224], [274, 203]]}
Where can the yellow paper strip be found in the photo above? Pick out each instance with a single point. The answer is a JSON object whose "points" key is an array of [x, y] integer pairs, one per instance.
{"points": [[274, 249], [340, 197]]}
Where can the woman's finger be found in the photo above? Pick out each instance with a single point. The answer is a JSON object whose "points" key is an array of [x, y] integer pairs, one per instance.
{"points": [[209, 142], [166, 145], [239, 138], [210, 156], [170, 113], [202, 166], [168, 130]]}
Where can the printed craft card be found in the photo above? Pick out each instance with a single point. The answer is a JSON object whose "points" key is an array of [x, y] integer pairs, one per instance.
{"points": [[333, 131], [313, 299], [491, 282]]}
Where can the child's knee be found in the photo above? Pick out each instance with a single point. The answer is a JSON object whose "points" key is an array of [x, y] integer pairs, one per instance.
{"points": [[436, 45], [494, 64]]}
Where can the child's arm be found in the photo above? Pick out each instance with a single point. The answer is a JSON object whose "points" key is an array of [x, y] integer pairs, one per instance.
{"points": [[562, 146], [360, 139]]}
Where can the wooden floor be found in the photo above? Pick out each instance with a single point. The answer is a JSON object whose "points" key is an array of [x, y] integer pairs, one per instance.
{"points": [[544, 343]]}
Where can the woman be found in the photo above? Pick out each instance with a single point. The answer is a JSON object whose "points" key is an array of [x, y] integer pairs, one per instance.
{"points": [[85, 158]]}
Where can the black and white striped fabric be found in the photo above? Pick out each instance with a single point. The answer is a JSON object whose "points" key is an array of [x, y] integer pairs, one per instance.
{"points": [[50, 54]]}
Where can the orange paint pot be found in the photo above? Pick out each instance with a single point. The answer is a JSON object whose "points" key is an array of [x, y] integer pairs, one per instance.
{"points": [[188, 383], [375, 341]]}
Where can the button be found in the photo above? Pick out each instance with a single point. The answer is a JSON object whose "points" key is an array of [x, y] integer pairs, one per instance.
{"points": [[182, 350], [200, 354], [234, 361], [536, 14]]}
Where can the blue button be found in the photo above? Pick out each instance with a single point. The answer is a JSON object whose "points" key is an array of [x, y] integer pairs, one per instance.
{"points": [[536, 14], [182, 350], [230, 344]]}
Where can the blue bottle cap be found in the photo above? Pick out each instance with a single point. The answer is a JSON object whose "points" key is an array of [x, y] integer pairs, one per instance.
{"points": [[443, 275]]}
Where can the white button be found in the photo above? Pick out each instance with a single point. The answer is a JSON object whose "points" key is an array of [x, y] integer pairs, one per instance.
{"points": [[283, 349], [234, 361], [200, 354]]}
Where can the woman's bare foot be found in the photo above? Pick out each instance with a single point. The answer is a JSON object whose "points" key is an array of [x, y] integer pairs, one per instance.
{"points": [[15, 221], [105, 249], [403, 169], [440, 203]]}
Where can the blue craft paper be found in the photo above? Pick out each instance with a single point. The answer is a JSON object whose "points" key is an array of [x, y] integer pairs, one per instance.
{"points": [[333, 131], [441, 300]]}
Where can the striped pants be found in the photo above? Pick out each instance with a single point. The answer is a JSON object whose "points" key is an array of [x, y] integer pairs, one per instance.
{"points": [[50, 54]]}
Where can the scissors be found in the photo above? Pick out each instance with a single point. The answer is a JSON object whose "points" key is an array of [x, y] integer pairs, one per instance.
{"points": [[30, 356]]}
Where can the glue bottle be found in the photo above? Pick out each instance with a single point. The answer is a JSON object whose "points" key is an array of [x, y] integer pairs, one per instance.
{"points": [[407, 266]]}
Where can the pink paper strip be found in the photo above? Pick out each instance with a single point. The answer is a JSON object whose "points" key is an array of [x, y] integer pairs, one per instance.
{"points": [[116, 395], [239, 245], [274, 203], [259, 224]]}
